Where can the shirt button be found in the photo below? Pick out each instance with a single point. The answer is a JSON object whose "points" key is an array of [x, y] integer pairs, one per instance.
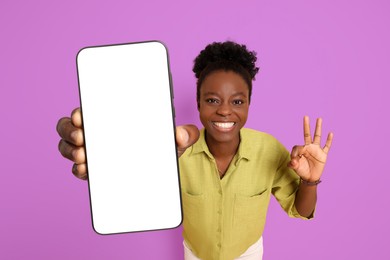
{"points": [[219, 230], [219, 245], [219, 211], [220, 192]]}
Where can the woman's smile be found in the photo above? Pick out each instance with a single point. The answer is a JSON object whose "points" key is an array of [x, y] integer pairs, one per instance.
{"points": [[224, 126]]}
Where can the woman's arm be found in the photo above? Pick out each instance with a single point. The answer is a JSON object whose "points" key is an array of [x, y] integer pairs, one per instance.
{"points": [[308, 161], [306, 199]]}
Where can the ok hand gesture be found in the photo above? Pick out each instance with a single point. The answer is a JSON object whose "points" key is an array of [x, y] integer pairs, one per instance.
{"points": [[308, 161]]}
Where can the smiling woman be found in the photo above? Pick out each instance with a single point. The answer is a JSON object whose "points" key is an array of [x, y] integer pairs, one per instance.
{"points": [[227, 172]]}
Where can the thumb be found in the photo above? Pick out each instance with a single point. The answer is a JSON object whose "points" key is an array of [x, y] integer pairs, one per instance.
{"points": [[186, 136], [296, 154], [182, 137]]}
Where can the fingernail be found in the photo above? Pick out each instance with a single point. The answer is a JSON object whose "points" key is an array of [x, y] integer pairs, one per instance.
{"points": [[186, 136], [74, 169], [183, 135]]}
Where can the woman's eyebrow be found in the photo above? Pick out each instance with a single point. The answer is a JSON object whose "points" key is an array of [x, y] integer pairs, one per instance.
{"points": [[239, 94]]}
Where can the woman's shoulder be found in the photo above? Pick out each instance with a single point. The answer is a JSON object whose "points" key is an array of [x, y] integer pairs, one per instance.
{"points": [[253, 134], [261, 139]]}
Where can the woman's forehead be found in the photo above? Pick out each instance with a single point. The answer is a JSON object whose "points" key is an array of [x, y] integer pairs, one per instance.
{"points": [[224, 82]]}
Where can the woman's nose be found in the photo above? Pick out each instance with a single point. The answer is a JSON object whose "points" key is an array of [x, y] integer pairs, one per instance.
{"points": [[224, 109]]}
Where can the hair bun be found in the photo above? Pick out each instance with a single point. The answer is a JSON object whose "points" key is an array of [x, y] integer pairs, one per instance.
{"points": [[226, 51]]}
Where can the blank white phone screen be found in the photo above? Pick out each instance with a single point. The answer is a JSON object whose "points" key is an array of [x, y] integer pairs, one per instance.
{"points": [[128, 119]]}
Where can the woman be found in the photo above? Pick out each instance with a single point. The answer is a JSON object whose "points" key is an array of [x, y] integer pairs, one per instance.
{"points": [[228, 172]]}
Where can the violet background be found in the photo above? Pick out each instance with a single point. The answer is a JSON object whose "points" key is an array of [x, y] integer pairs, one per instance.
{"points": [[321, 58]]}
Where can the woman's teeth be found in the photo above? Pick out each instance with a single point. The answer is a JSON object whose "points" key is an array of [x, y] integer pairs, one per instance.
{"points": [[225, 125]]}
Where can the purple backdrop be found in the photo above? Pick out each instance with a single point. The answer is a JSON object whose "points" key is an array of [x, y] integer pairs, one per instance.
{"points": [[328, 59]]}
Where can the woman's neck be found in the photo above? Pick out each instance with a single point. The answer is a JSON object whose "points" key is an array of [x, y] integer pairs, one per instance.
{"points": [[222, 149]]}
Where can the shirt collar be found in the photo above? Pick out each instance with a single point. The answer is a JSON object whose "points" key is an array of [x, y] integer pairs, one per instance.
{"points": [[244, 150], [201, 145]]}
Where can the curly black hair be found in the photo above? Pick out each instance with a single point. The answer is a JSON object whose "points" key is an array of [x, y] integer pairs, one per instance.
{"points": [[227, 56]]}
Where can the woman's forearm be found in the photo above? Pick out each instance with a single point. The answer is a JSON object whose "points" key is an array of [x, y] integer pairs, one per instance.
{"points": [[306, 199]]}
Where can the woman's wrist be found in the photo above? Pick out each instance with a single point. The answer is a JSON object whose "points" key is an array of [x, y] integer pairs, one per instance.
{"points": [[310, 183]]}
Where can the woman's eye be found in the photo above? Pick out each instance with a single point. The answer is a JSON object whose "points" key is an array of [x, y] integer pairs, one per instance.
{"points": [[211, 101], [238, 102]]}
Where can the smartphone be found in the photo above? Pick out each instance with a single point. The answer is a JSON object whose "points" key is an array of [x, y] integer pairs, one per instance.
{"points": [[126, 101]]}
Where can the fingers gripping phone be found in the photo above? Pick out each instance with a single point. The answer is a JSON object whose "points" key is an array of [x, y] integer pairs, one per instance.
{"points": [[129, 132]]}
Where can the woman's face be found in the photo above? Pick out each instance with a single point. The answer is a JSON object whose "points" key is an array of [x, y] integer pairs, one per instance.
{"points": [[223, 105]]}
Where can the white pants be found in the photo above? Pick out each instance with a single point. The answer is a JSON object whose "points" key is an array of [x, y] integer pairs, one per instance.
{"points": [[254, 252]]}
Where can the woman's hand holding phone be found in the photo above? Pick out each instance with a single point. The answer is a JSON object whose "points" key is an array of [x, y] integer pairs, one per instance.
{"points": [[72, 146]]}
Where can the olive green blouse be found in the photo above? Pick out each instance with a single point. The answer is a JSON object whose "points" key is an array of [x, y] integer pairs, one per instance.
{"points": [[223, 217]]}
